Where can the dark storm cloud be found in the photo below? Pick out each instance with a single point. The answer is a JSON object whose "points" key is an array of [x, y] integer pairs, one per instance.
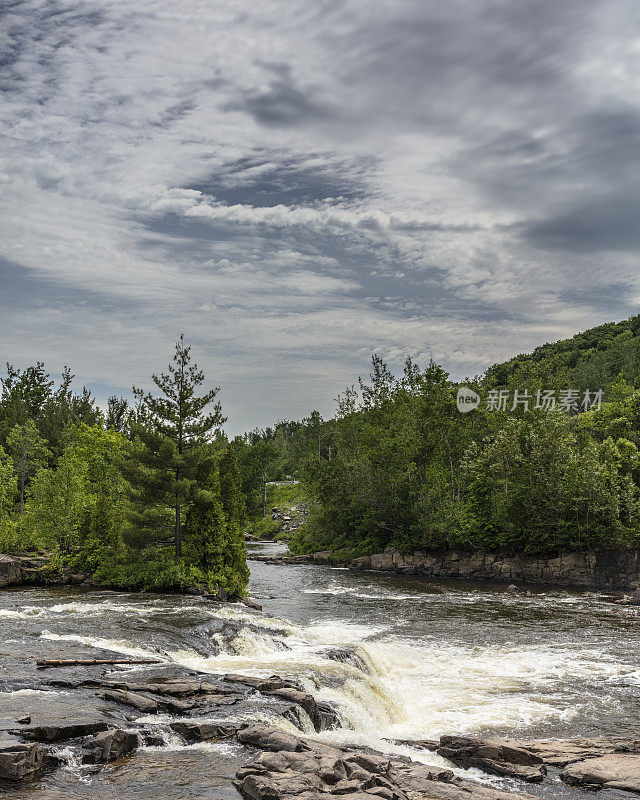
{"points": [[284, 103]]}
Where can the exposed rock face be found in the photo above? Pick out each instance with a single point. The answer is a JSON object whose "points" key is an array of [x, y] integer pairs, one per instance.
{"points": [[109, 745], [612, 569], [295, 767], [614, 771], [60, 733], [322, 715], [493, 757], [20, 761], [10, 572]]}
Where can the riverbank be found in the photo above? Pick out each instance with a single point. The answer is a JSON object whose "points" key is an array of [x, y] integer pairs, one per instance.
{"points": [[612, 569], [35, 571]]}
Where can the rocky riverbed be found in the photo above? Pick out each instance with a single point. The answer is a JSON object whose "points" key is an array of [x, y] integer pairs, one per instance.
{"points": [[448, 689], [281, 765]]}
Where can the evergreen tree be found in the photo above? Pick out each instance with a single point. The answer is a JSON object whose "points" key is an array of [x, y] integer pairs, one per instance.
{"points": [[236, 572], [172, 433], [205, 527]]}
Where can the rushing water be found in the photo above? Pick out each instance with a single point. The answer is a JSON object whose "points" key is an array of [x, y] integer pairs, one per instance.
{"points": [[400, 658]]}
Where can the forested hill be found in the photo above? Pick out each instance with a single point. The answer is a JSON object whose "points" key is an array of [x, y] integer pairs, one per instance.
{"points": [[588, 360], [535, 466]]}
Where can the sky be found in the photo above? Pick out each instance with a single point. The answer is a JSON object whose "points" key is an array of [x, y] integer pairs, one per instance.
{"points": [[296, 185]]}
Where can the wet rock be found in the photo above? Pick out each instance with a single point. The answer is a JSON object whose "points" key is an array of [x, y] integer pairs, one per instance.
{"points": [[419, 744], [60, 733], [614, 771], [205, 731], [328, 718], [513, 588], [309, 770], [250, 604], [151, 739], [21, 761], [493, 757], [174, 687], [266, 738], [138, 701], [110, 745], [302, 699]]}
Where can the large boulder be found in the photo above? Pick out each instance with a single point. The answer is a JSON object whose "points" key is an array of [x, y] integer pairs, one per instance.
{"points": [[20, 761], [493, 756], [110, 745], [266, 738], [10, 572], [613, 771]]}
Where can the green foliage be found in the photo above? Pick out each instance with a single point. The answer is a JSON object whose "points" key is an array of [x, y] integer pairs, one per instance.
{"points": [[408, 470], [265, 528], [109, 497], [29, 453], [172, 434]]}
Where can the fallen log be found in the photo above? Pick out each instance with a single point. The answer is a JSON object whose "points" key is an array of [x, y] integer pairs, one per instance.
{"points": [[89, 662]]}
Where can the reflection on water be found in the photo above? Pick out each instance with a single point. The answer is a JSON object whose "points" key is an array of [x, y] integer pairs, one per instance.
{"points": [[399, 657]]}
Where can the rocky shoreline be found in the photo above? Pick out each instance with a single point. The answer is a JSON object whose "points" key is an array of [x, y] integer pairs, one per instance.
{"points": [[23, 571], [283, 766], [612, 569]]}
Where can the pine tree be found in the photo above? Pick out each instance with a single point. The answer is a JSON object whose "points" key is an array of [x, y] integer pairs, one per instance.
{"points": [[205, 527], [236, 572], [172, 432]]}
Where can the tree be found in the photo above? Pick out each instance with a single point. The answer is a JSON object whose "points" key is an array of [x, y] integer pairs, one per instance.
{"points": [[235, 570], [29, 453], [205, 526], [117, 414], [8, 486], [58, 502], [172, 433]]}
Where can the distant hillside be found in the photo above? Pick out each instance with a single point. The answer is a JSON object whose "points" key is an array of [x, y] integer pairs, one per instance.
{"points": [[589, 360]]}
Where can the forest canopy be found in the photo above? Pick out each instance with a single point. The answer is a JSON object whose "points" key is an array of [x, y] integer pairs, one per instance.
{"points": [[141, 496]]}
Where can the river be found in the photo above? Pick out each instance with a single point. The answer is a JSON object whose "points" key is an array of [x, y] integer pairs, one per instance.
{"points": [[401, 658]]}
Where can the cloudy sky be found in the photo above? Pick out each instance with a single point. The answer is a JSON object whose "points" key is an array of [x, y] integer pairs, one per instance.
{"points": [[298, 184]]}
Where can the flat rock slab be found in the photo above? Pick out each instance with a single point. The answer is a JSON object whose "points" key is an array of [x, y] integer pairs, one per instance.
{"points": [[493, 757], [60, 733], [560, 752], [614, 771]]}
